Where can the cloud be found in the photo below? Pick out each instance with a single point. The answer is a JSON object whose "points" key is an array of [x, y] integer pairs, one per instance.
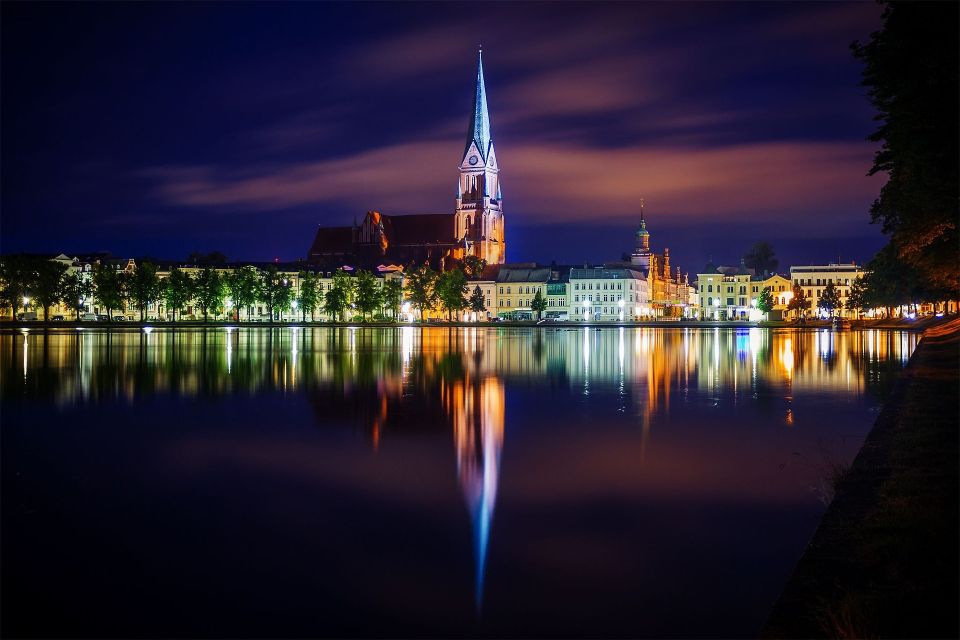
{"points": [[555, 182]]}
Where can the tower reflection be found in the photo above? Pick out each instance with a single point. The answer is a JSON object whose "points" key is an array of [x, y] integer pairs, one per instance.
{"points": [[477, 409]]}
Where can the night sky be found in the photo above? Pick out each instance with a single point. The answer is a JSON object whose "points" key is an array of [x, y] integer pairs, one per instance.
{"points": [[159, 130]]}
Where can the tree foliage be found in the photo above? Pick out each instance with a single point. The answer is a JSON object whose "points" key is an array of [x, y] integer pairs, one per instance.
{"points": [[392, 297], [275, 291], [366, 293], [911, 70], [209, 291], [143, 286], [177, 290], [473, 267], [308, 299], [761, 258], [799, 303], [243, 286], [858, 296], [829, 300], [421, 287], [109, 285], [337, 298], [451, 291], [477, 303], [539, 304], [77, 287], [765, 302], [48, 284]]}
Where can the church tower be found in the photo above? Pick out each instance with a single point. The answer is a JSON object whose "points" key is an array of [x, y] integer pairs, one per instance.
{"points": [[641, 254], [479, 217]]}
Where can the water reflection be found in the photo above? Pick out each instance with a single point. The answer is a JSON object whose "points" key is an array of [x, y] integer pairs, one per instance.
{"points": [[384, 383]]}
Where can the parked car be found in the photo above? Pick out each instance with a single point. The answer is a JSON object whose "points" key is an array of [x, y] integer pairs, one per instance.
{"points": [[57, 318], [102, 317], [119, 318], [27, 315], [88, 317]]}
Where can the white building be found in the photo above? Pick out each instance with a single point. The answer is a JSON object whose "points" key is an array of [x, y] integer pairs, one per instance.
{"points": [[814, 279], [602, 294]]}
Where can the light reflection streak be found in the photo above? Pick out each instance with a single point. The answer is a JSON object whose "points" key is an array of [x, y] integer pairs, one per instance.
{"points": [[394, 365]]}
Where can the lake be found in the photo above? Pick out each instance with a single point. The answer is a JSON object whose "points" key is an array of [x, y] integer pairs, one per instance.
{"points": [[421, 481]]}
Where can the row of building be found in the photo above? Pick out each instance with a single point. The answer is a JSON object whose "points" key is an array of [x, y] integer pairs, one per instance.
{"points": [[640, 289], [642, 286]]}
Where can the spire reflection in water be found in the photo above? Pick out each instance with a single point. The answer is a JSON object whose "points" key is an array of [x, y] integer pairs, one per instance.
{"points": [[333, 465]]}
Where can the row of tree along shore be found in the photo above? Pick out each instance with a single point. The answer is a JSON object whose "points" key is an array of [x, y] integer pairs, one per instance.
{"points": [[221, 294]]}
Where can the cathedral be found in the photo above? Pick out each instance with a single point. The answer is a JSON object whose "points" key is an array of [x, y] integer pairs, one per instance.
{"points": [[476, 228]]}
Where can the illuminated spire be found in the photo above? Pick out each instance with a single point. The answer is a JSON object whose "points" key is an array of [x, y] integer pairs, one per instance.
{"points": [[479, 130]]}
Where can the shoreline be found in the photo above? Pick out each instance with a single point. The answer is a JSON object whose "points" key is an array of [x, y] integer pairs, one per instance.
{"points": [[901, 325], [883, 560]]}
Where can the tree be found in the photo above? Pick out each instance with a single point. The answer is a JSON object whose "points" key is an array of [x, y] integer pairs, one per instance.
{"points": [[761, 258], [177, 290], [451, 290], [765, 301], [421, 287], [143, 286], [366, 293], [392, 295], [337, 298], [477, 302], [48, 285], [857, 297], [214, 257], [474, 266], [18, 275], [799, 302], [76, 290], [539, 304], [891, 282], [244, 288], [308, 299], [108, 282], [209, 291], [830, 299], [911, 70], [275, 290]]}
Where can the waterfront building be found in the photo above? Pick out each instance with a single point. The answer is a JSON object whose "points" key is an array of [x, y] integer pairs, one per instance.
{"points": [[814, 278], [476, 228], [724, 292], [517, 286], [608, 294], [669, 291], [558, 300]]}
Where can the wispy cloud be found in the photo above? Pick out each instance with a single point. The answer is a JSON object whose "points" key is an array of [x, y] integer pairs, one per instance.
{"points": [[553, 182]]}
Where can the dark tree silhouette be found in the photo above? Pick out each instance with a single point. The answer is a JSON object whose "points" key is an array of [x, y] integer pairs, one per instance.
{"points": [[911, 69]]}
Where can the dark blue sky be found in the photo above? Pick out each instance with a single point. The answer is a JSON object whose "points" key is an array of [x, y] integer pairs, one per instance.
{"points": [[161, 129]]}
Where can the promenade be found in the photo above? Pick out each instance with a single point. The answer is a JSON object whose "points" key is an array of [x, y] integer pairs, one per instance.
{"points": [[884, 560]]}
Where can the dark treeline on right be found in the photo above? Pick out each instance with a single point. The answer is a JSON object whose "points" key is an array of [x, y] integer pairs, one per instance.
{"points": [[911, 71]]}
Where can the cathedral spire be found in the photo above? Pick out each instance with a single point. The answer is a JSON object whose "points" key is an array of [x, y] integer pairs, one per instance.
{"points": [[479, 130]]}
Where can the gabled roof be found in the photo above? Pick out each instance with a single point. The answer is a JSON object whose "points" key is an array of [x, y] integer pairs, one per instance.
{"points": [[418, 229], [523, 274], [332, 240], [479, 129]]}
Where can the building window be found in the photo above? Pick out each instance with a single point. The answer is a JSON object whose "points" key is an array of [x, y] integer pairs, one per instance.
{"points": [[709, 301], [710, 288], [729, 302]]}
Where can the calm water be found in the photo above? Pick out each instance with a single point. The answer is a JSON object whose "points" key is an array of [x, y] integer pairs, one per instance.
{"points": [[306, 482]]}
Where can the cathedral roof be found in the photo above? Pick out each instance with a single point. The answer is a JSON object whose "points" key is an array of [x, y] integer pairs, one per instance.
{"points": [[424, 228], [332, 240], [479, 130]]}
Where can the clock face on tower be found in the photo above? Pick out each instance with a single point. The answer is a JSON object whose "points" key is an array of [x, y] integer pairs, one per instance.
{"points": [[474, 159]]}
